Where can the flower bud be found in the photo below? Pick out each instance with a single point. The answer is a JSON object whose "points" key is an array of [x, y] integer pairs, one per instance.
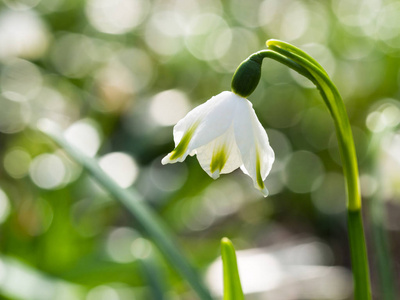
{"points": [[247, 76]]}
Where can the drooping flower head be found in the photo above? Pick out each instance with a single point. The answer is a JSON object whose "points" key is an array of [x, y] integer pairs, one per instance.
{"points": [[225, 134]]}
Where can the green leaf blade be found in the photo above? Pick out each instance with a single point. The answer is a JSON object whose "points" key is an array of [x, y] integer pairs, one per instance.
{"points": [[151, 223], [232, 285]]}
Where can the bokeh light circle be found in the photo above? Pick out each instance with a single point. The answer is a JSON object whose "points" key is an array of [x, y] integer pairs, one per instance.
{"points": [[121, 167], [85, 136], [48, 171], [20, 80], [16, 162], [22, 34], [303, 172], [168, 107], [13, 115], [330, 196], [116, 16], [119, 242]]}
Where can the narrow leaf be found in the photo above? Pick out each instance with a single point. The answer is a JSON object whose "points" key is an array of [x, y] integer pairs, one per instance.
{"points": [[232, 285], [155, 228]]}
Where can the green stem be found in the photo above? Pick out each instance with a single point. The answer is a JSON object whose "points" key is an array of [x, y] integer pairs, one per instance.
{"points": [[358, 252], [133, 201], [307, 66], [335, 104]]}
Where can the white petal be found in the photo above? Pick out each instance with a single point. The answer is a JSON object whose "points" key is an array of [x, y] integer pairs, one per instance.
{"points": [[252, 141], [194, 116], [218, 119], [167, 159], [188, 124], [212, 159], [182, 149], [208, 121]]}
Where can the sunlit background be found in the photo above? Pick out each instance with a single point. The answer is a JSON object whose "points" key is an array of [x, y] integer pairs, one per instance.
{"points": [[116, 75]]}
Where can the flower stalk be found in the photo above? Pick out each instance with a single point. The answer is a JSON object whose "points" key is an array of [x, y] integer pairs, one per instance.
{"points": [[304, 64]]}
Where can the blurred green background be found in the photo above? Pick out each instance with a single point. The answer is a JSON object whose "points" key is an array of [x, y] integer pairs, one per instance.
{"points": [[118, 74]]}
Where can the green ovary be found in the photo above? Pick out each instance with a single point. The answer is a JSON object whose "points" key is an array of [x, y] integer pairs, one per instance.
{"points": [[180, 149], [260, 182], [219, 158]]}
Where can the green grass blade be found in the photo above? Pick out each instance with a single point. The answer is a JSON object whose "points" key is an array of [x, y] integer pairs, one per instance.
{"points": [[133, 201], [232, 285]]}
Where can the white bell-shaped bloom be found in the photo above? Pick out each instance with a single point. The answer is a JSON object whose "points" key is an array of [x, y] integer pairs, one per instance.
{"points": [[225, 134]]}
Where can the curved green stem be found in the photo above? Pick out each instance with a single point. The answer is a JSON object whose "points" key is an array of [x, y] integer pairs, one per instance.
{"points": [[337, 109], [260, 55], [335, 104], [304, 64]]}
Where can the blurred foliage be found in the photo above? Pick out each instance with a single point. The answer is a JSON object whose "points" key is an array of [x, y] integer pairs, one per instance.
{"points": [[118, 74]]}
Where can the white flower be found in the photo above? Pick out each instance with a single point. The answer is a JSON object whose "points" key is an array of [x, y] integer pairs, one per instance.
{"points": [[225, 134]]}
